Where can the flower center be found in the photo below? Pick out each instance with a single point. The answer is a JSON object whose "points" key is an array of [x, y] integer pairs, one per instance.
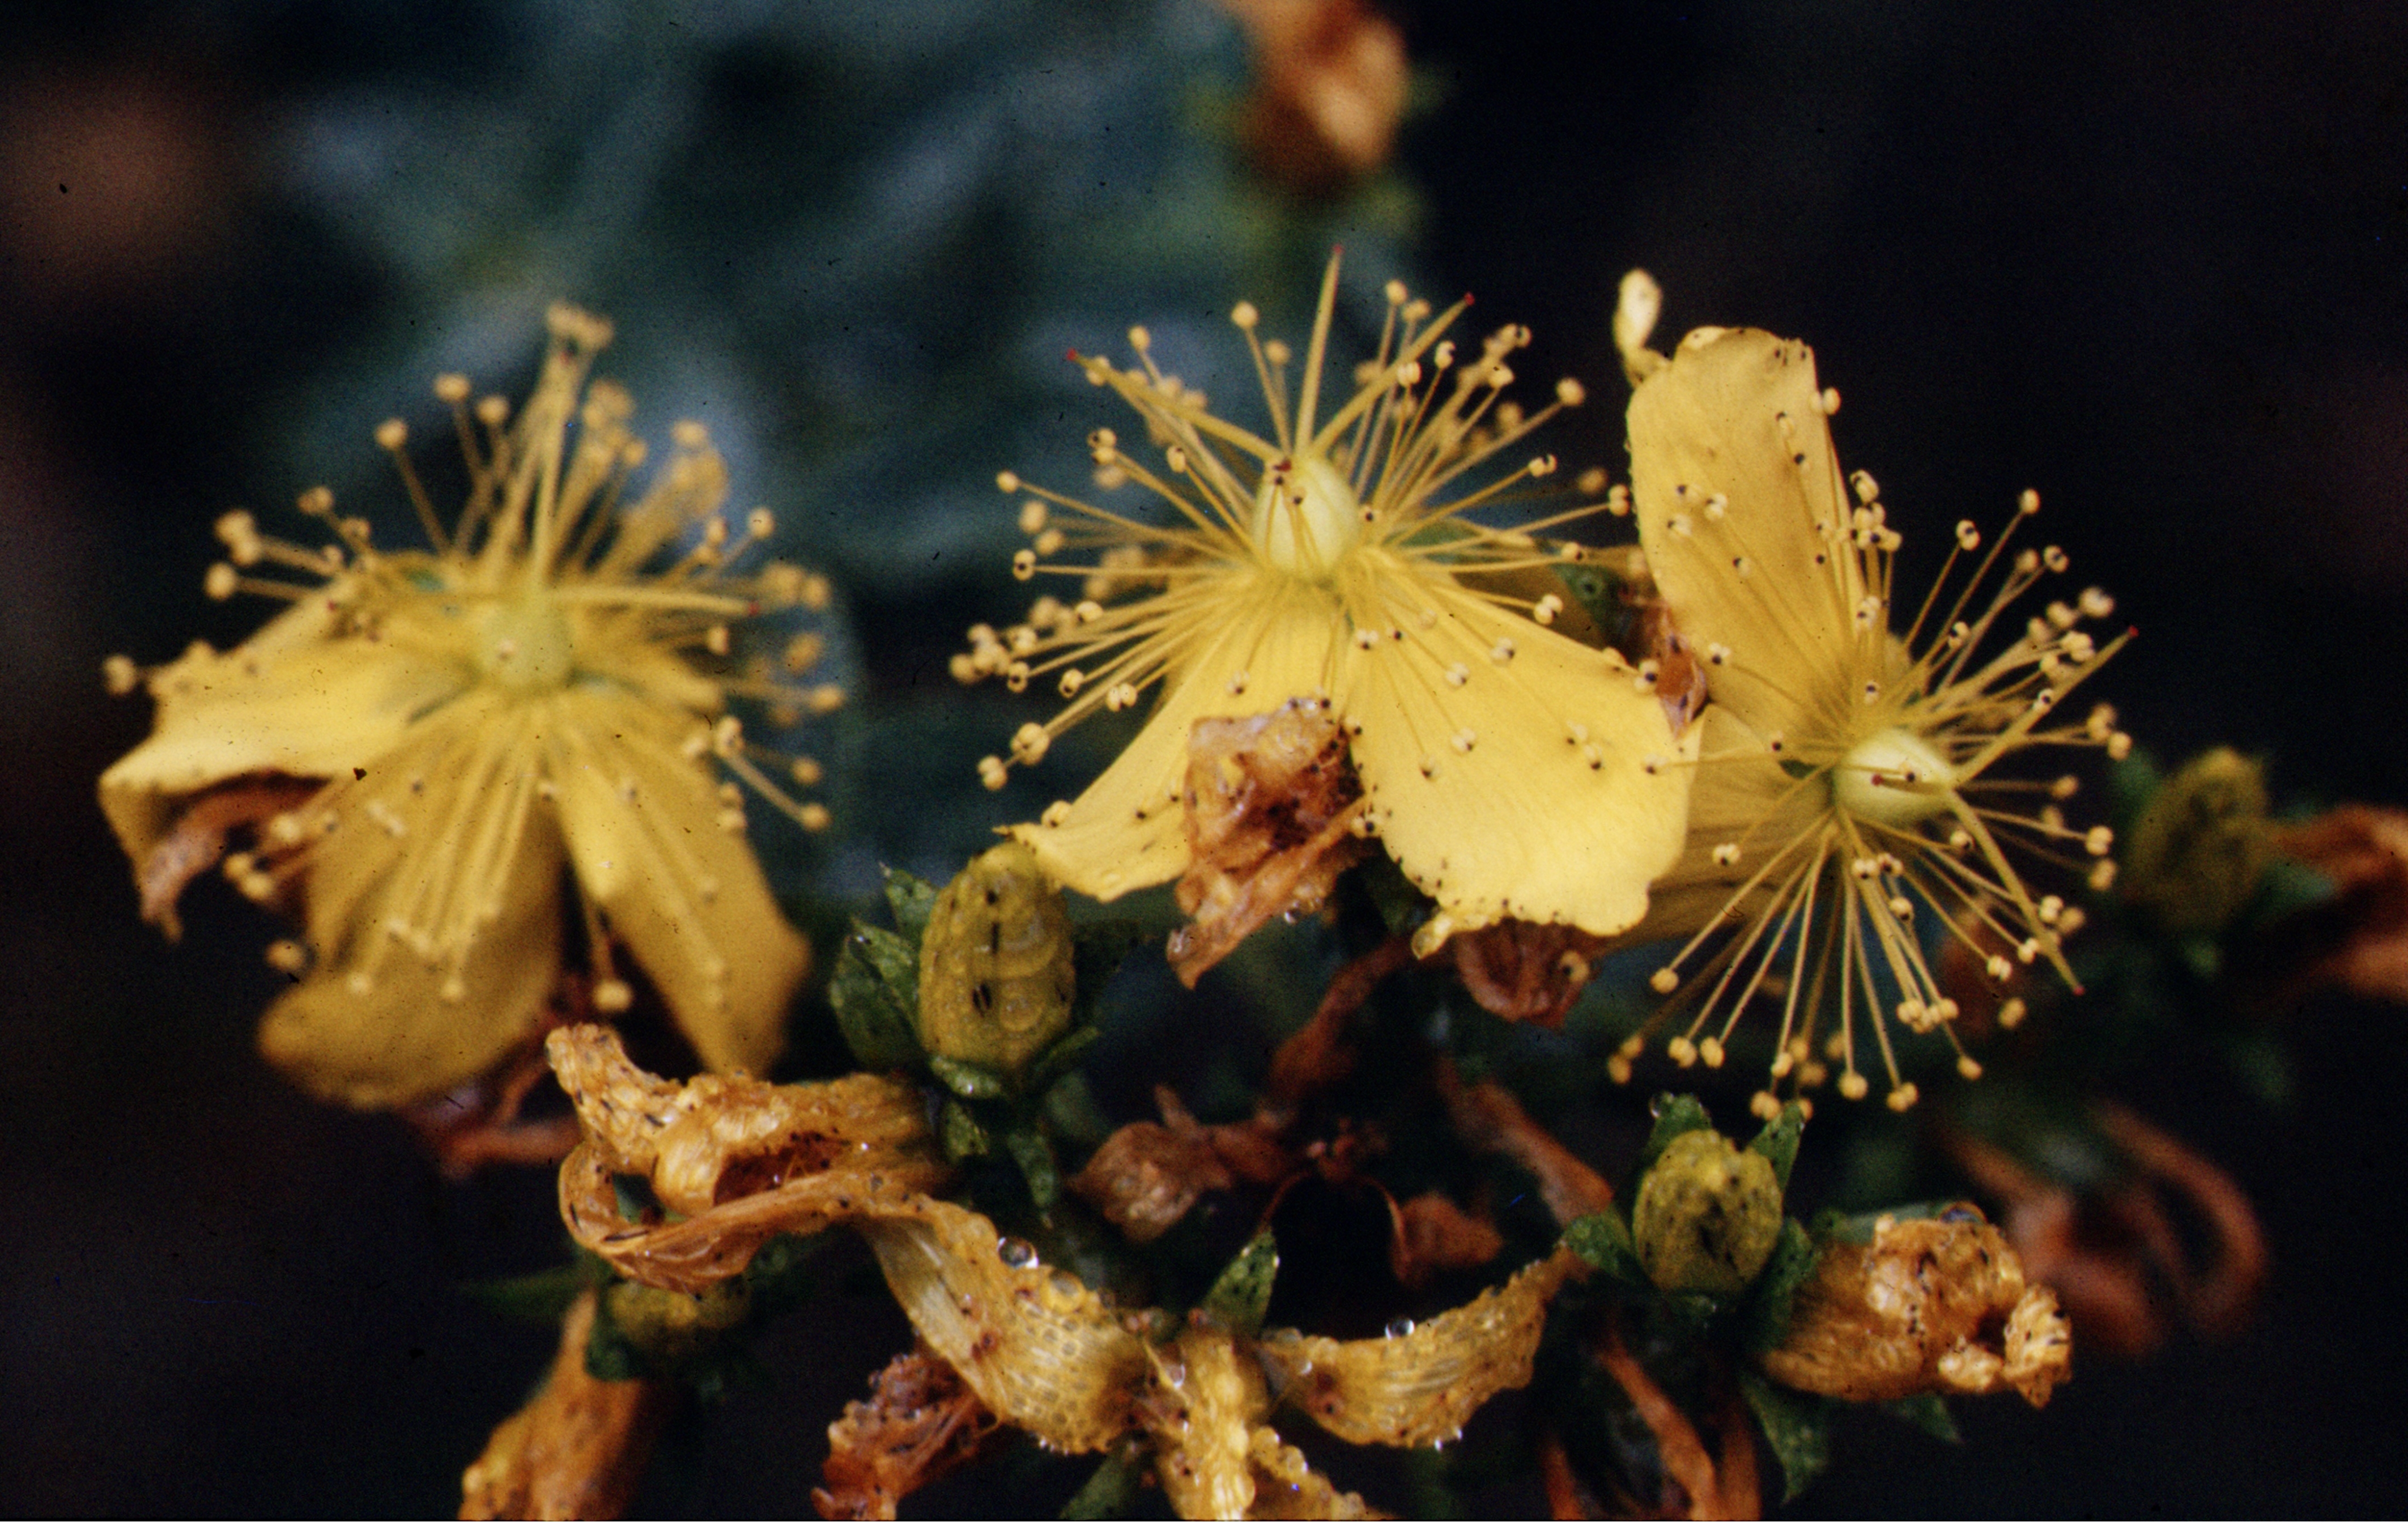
{"points": [[1306, 515], [523, 642], [1893, 778]]}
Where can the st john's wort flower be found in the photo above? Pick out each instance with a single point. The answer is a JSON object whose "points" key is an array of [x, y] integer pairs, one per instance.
{"points": [[1513, 772], [1850, 789], [424, 739]]}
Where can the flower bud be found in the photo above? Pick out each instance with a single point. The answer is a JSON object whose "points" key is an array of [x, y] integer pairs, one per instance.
{"points": [[995, 966], [2201, 846], [1707, 1215]]}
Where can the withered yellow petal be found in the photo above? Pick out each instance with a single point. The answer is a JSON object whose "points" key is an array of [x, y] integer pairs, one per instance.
{"points": [[1129, 829], [1421, 1388], [1733, 431], [642, 824], [1512, 773], [295, 698], [1041, 1349]]}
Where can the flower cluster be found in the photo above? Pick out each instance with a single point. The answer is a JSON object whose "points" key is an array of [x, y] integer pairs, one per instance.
{"points": [[424, 737]]}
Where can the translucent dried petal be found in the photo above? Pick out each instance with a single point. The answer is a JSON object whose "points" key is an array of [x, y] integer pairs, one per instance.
{"points": [[743, 1160], [1203, 1399], [919, 1423], [1420, 1387], [1040, 1349]]}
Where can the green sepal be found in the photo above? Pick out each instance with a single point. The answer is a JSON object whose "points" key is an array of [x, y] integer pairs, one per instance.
{"points": [[1927, 1414], [1775, 1292], [960, 1134], [1797, 1426], [1240, 1296], [969, 1081], [1116, 1487], [1035, 1155], [542, 1297], [1060, 1058], [911, 899], [1599, 594], [1676, 1114], [876, 995], [1602, 1241], [1778, 1142]]}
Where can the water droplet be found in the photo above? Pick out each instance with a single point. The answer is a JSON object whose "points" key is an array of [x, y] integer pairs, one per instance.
{"points": [[1015, 1253], [1401, 1326]]}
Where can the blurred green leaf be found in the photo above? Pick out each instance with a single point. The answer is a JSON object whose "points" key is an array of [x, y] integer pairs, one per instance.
{"points": [[1676, 1114], [1775, 1293], [1778, 1140], [1926, 1412], [1797, 1426], [1602, 1240], [1035, 1155], [912, 899], [968, 1080], [876, 995], [960, 1134], [1242, 1294], [1115, 1487]]}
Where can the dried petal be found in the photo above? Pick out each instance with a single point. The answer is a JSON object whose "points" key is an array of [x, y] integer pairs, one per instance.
{"points": [[1518, 970], [919, 1423], [1421, 1386], [1928, 1306], [743, 1160], [578, 1448], [1271, 802], [1146, 1177]]}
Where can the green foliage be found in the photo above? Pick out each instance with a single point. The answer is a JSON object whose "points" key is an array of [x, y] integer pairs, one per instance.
{"points": [[1240, 1296], [1797, 1426]]}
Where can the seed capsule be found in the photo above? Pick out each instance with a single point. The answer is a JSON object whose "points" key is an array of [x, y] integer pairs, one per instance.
{"points": [[995, 966]]}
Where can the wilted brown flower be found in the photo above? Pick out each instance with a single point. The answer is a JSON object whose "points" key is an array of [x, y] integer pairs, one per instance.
{"points": [[1272, 805], [577, 1448], [919, 1423], [1930, 1306]]}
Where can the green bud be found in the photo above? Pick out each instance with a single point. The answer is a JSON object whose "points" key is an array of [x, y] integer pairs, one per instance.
{"points": [[1707, 1215], [668, 1327], [997, 967], [2200, 847]]}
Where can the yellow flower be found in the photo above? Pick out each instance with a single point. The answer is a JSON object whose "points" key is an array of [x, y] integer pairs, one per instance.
{"points": [[426, 736], [1512, 771], [1848, 787]]}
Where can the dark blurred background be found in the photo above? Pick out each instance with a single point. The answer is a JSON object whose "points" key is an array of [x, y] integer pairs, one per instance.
{"points": [[2145, 258]]}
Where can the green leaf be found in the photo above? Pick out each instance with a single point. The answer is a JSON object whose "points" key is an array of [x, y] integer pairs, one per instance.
{"points": [[912, 900], [876, 993], [1599, 593], [1797, 1426], [543, 1296], [1070, 1109], [960, 1134], [1603, 1242], [1115, 1487], [1060, 1058], [968, 1080], [1035, 1157], [1242, 1294], [1676, 1114], [1775, 1295], [1778, 1140], [1927, 1412]]}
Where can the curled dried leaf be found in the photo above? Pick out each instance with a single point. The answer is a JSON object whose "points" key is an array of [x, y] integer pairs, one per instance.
{"points": [[1488, 1118], [1518, 970], [1271, 802], [2364, 946], [1145, 1177], [195, 840], [919, 1423], [576, 1449], [1420, 1386], [1932, 1306], [1434, 1234], [1039, 1348], [742, 1160], [1331, 86]]}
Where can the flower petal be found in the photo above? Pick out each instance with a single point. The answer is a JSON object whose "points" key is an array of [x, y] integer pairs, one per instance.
{"points": [[298, 698], [1730, 461], [1507, 768], [1128, 830], [642, 827], [418, 988]]}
